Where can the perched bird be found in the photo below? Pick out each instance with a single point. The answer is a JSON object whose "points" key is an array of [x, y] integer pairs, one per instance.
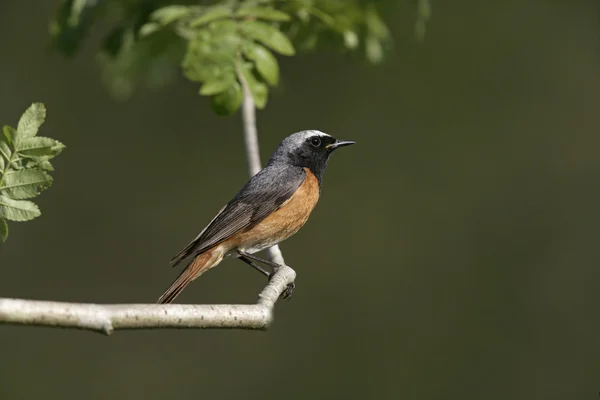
{"points": [[271, 207]]}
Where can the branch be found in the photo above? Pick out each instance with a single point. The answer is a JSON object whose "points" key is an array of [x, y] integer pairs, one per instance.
{"points": [[107, 318], [252, 151]]}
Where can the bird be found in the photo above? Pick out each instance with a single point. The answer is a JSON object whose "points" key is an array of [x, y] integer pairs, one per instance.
{"points": [[271, 207]]}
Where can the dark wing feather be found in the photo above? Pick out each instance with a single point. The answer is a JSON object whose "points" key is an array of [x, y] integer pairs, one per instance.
{"points": [[264, 193]]}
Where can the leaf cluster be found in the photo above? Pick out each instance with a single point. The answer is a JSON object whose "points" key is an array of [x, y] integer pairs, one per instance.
{"points": [[24, 167], [219, 43]]}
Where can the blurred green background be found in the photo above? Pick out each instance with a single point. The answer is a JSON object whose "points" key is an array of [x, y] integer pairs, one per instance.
{"points": [[454, 253]]}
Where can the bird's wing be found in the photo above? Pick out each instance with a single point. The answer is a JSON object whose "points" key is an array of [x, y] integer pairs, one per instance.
{"points": [[264, 193]]}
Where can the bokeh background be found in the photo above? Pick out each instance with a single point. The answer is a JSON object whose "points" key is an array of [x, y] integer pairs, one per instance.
{"points": [[454, 253]]}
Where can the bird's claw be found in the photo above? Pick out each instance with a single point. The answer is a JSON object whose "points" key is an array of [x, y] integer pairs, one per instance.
{"points": [[289, 290]]}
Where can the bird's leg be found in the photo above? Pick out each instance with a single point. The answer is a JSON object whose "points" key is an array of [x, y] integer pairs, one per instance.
{"points": [[256, 267], [247, 258], [260, 260]]}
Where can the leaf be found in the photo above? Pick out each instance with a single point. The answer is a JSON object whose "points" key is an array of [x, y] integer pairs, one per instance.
{"points": [[227, 102], [115, 41], [149, 29], [267, 13], [3, 230], [168, 14], [212, 14], [377, 36], [40, 147], [45, 165], [217, 85], [269, 36], [225, 27], [25, 183], [351, 39], [5, 151], [76, 10], [373, 49], [9, 133], [30, 121], [211, 55], [375, 24], [265, 61], [303, 14], [18, 210], [72, 23], [424, 13], [324, 17], [259, 90]]}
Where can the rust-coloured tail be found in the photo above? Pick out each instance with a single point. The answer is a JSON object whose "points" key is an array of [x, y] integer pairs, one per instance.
{"points": [[199, 265]]}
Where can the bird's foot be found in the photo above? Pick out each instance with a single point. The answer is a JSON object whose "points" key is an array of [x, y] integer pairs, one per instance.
{"points": [[289, 290]]}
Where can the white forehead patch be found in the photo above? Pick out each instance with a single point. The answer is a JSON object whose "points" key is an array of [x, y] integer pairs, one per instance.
{"points": [[298, 138], [313, 132]]}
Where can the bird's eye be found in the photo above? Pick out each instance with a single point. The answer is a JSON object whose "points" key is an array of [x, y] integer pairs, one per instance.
{"points": [[315, 141]]}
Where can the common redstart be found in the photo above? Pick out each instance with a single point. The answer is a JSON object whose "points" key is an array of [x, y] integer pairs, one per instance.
{"points": [[271, 207]]}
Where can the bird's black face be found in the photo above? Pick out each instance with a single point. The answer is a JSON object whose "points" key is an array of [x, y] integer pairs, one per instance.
{"points": [[309, 149], [317, 148]]}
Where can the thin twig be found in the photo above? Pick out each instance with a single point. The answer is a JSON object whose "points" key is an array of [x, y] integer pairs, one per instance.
{"points": [[252, 150], [107, 318]]}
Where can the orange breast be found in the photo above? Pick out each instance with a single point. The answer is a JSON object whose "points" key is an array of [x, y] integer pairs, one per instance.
{"points": [[284, 222]]}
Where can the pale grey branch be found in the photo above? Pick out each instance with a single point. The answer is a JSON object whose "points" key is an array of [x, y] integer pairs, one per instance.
{"points": [[107, 318]]}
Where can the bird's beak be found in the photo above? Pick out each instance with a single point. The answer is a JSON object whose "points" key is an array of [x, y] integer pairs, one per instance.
{"points": [[339, 143]]}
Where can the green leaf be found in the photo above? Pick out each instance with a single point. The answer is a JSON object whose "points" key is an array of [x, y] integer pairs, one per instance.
{"points": [[72, 23], [424, 13], [212, 14], [5, 151], [227, 102], [211, 55], [259, 90], [377, 36], [265, 61], [375, 24], [222, 27], [18, 210], [267, 13], [168, 14], [351, 39], [9, 134], [25, 183], [3, 230], [30, 121], [76, 10], [217, 85], [269, 36], [303, 14], [373, 49], [45, 165], [149, 29], [40, 147], [324, 17]]}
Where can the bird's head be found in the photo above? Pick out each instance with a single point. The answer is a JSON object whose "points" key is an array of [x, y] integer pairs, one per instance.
{"points": [[310, 149]]}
